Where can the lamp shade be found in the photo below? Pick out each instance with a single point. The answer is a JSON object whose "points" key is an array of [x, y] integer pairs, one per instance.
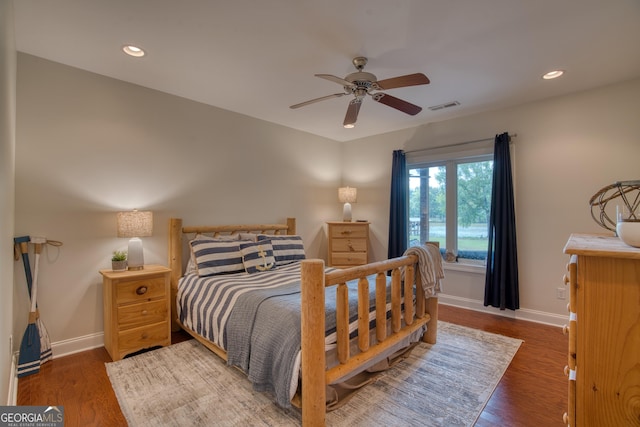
{"points": [[347, 194], [135, 223]]}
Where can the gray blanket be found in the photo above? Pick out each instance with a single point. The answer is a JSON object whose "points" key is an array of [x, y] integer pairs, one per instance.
{"points": [[263, 334]]}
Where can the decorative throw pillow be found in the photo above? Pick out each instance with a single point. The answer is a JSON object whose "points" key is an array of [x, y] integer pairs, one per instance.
{"points": [[217, 257], [286, 249], [191, 264], [257, 256]]}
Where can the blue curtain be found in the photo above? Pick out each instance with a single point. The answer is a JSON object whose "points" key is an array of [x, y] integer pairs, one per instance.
{"points": [[398, 215], [501, 283]]}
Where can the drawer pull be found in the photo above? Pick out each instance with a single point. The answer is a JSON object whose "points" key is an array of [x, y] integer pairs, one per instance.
{"points": [[145, 336], [346, 232], [141, 290], [565, 279], [145, 312], [565, 329], [565, 418]]}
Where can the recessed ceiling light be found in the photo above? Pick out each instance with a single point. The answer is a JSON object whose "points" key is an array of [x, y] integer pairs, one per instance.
{"points": [[133, 50], [552, 74]]}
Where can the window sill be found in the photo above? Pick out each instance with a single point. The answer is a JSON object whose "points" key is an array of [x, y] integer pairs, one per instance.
{"points": [[469, 268]]}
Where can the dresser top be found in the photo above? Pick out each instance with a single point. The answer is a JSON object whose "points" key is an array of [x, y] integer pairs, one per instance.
{"points": [[348, 222], [600, 245], [148, 269]]}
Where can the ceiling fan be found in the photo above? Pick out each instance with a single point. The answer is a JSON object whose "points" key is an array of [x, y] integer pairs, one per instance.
{"points": [[361, 83]]}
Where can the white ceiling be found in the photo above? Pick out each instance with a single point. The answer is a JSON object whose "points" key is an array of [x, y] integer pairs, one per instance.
{"points": [[259, 57]]}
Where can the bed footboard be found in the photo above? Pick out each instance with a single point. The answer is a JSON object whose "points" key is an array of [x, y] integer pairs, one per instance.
{"points": [[315, 376]]}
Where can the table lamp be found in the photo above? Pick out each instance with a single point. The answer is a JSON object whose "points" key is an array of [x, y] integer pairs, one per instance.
{"points": [[347, 195], [135, 224]]}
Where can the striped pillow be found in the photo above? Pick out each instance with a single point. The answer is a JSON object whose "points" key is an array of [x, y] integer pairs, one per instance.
{"points": [[215, 257], [257, 256], [286, 249], [191, 264]]}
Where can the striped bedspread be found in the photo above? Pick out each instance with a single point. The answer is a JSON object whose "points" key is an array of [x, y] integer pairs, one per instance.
{"points": [[205, 303]]}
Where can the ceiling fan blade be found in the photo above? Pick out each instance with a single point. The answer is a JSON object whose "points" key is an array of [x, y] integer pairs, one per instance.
{"points": [[311, 101], [403, 81], [397, 103], [352, 113], [335, 79]]}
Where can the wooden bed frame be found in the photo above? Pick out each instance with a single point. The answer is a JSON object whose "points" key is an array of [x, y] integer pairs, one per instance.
{"points": [[315, 377]]}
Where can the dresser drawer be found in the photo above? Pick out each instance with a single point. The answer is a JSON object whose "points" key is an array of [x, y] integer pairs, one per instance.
{"points": [[133, 315], [349, 230], [349, 258], [144, 337], [349, 245], [140, 290]]}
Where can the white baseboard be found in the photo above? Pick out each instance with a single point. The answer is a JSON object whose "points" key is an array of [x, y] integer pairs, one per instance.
{"points": [[523, 313], [76, 345]]}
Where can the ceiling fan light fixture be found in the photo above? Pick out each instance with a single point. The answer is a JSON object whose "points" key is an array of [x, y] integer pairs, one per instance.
{"points": [[360, 84], [552, 74], [133, 50]]}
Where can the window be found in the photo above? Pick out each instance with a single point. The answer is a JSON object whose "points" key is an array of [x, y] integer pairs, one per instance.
{"points": [[450, 202]]}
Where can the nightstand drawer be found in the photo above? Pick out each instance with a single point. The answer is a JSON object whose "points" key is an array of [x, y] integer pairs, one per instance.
{"points": [[147, 336], [350, 245], [133, 315], [140, 290], [349, 258], [349, 230]]}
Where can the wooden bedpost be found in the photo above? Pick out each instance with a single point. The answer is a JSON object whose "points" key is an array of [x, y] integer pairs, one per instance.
{"points": [[175, 264], [291, 226], [313, 356], [431, 335]]}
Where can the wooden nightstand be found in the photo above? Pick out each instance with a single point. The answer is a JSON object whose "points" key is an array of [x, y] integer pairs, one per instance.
{"points": [[348, 243], [136, 309]]}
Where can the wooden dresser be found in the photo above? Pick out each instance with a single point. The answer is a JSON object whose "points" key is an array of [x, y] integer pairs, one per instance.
{"points": [[604, 332], [348, 243], [136, 309]]}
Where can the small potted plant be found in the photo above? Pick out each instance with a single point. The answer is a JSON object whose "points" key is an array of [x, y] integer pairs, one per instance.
{"points": [[119, 261]]}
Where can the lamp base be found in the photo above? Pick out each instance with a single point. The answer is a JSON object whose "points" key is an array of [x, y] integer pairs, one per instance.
{"points": [[346, 212], [135, 255]]}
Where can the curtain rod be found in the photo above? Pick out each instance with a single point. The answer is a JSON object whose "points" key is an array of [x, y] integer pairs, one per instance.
{"points": [[475, 141]]}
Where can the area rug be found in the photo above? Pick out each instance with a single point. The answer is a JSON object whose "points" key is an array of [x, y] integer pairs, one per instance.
{"points": [[446, 384]]}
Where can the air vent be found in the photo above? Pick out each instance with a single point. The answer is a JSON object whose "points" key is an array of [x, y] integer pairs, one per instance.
{"points": [[445, 105]]}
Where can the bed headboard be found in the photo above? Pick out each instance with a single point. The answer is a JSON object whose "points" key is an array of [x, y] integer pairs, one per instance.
{"points": [[179, 237]]}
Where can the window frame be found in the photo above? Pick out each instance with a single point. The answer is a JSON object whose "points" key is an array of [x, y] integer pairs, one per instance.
{"points": [[451, 157]]}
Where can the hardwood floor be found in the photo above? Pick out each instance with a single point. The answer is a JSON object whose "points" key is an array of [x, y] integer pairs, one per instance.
{"points": [[532, 392]]}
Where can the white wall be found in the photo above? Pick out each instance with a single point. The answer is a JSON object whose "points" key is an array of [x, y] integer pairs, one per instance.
{"points": [[89, 146], [566, 149], [7, 164]]}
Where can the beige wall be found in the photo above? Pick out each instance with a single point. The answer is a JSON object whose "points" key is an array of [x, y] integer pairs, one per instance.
{"points": [[89, 146], [7, 150], [566, 149]]}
